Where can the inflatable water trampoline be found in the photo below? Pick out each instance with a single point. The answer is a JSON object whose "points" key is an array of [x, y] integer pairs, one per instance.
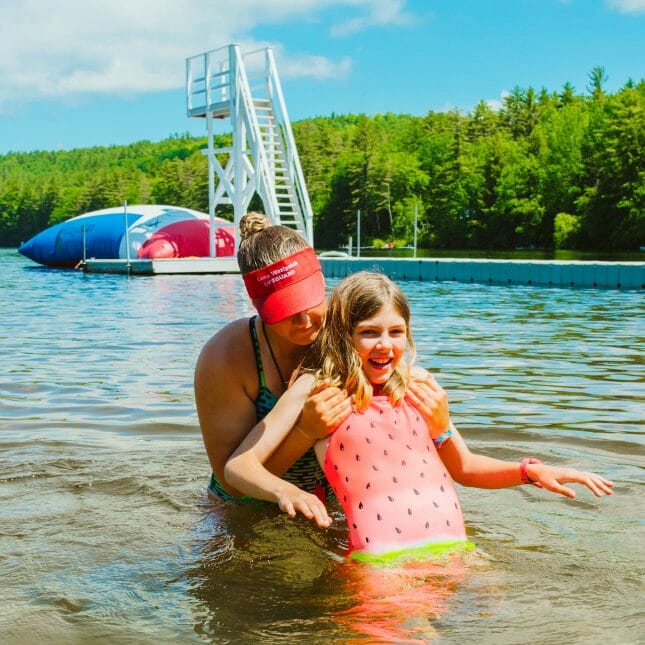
{"points": [[152, 232]]}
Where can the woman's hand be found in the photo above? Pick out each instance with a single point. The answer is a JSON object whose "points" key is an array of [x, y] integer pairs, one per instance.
{"points": [[553, 477], [293, 500], [427, 396], [324, 410]]}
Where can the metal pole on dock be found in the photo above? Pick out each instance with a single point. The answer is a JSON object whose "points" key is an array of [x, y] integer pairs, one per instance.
{"points": [[416, 217], [127, 235], [358, 233]]}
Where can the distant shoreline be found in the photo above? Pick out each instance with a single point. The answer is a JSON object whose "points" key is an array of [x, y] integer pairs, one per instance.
{"points": [[517, 254]]}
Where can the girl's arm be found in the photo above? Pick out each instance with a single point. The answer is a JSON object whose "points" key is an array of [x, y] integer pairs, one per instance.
{"points": [[470, 469], [244, 469], [325, 408]]}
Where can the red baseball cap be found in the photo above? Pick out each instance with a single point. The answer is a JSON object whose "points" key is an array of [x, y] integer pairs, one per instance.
{"points": [[286, 287]]}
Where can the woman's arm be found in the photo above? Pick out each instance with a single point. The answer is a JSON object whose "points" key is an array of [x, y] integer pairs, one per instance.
{"points": [[244, 469], [225, 407]]}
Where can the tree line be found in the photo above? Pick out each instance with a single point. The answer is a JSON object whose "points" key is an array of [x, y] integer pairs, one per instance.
{"points": [[544, 169]]}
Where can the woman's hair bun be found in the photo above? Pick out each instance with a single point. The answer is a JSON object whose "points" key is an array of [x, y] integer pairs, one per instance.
{"points": [[252, 223]]}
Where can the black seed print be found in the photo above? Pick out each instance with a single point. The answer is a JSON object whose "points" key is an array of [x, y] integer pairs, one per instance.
{"points": [[368, 485], [457, 507], [427, 447], [358, 457], [386, 453], [427, 525], [396, 421], [395, 480], [424, 461], [445, 475], [380, 411], [396, 410], [391, 436], [335, 466], [408, 446], [367, 539], [398, 530], [379, 517], [354, 525], [390, 498], [403, 463], [347, 428], [344, 498], [418, 419], [342, 447], [442, 489], [368, 440], [414, 433], [360, 505], [448, 522], [435, 504], [416, 492], [374, 467], [423, 474], [346, 478], [372, 424], [409, 511]]}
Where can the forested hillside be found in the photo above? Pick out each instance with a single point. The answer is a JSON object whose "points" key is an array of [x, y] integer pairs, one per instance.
{"points": [[548, 169]]}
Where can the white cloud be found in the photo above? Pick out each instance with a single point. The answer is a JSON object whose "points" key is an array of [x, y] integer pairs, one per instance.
{"points": [[380, 13], [627, 6], [72, 48], [497, 104], [317, 67]]}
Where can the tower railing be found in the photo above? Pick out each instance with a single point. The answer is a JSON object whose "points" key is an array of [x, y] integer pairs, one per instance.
{"points": [[263, 158]]}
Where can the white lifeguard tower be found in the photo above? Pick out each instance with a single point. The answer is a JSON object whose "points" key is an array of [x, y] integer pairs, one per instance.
{"points": [[245, 88]]}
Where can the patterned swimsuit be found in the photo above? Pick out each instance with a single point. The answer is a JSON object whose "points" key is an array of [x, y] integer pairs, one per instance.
{"points": [[306, 472]]}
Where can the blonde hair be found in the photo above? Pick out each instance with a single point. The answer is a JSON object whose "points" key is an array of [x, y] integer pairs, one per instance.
{"points": [[263, 243], [332, 355]]}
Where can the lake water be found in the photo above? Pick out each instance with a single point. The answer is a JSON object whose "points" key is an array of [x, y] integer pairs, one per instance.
{"points": [[107, 535]]}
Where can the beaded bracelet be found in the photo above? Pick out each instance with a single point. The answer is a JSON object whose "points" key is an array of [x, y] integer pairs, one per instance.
{"points": [[442, 438]]}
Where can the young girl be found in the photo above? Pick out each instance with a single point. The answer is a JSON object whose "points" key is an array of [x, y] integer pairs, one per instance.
{"points": [[391, 463]]}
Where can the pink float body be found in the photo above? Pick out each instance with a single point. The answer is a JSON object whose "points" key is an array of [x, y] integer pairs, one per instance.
{"points": [[394, 488]]}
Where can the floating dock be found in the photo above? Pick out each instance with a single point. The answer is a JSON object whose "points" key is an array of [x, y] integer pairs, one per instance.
{"points": [[162, 267], [551, 273]]}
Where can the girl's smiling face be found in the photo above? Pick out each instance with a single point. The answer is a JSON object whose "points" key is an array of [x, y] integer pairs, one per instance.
{"points": [[380, 342]]}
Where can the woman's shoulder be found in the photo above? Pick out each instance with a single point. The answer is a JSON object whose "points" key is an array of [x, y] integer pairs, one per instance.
{"points": [[230, 344]]}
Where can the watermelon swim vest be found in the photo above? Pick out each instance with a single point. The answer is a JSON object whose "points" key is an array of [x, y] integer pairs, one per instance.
{"points": [[396, 493]]}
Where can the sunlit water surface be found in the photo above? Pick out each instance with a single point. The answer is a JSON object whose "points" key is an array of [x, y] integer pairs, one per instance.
{"points": [[106, 534]]}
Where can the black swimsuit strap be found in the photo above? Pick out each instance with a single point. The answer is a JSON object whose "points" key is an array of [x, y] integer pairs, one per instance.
{"points": [[256, 348]]}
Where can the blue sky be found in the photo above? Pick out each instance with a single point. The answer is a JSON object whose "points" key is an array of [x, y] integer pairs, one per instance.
{"points": [[78, 73]]}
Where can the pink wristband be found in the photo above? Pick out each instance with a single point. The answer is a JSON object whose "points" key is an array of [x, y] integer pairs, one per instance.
{"points": [[524, 476]]}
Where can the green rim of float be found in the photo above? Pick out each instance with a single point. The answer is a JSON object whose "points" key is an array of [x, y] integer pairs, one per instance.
{"points": [[425, 552]]}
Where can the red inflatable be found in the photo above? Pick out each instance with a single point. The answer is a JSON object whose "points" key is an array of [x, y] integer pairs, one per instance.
{"points": [[187, 238]]}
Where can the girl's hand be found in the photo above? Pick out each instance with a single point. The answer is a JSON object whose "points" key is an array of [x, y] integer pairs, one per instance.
{"points": [[324, 410], [552, 478], [427, 396], [292, 500]]}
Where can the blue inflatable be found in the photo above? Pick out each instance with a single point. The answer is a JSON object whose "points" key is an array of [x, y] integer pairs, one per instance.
{"points": [[103, 234]]}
